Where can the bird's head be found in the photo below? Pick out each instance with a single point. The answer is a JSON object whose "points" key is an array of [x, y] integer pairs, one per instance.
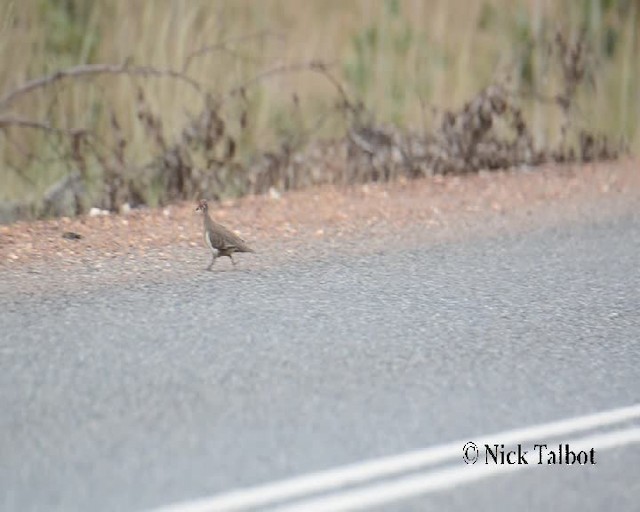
{"points": [[202, 205]]}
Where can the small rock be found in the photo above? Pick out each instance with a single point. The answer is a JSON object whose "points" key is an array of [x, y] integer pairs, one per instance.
{"points": [[274, 194], [70, 235], [97, 212]]}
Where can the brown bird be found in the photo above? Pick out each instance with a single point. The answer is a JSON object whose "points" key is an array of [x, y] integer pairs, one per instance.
{"points": [[219, 239]]}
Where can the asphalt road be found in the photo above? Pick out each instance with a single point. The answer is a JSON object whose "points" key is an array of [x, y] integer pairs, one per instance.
{"points": [[134, 397]]}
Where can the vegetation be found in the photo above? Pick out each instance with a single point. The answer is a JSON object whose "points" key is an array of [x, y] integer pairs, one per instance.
{"points": [[148, 102]]}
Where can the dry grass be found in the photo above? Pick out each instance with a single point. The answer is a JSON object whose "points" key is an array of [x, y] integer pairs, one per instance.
{"points": [[401, 58]]}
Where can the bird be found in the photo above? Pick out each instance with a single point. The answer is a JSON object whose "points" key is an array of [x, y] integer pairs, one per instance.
{"points": [[219, 239]]}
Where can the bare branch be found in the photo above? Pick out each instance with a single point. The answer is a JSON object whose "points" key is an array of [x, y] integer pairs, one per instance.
{"points": [[224, 46], [95, 69], [322, 68], [8, 121], [312, 65]]}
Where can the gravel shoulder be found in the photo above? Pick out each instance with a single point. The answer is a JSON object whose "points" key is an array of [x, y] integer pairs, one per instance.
{"points": [[163, 244]]}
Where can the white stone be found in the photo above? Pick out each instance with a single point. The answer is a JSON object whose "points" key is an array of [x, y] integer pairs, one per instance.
{"points": [[274, 193]]}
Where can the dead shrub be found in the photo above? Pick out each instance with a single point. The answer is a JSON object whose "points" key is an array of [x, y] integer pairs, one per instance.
{"points": [[201, 158]]}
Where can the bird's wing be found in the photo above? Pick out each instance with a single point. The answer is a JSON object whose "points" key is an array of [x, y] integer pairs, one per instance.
{"points": [[229, 239]]}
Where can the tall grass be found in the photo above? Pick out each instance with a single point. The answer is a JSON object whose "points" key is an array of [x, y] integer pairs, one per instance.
{"points": [[406, 60]]}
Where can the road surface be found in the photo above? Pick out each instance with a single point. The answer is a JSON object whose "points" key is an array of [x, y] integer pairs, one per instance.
{"points": [[135, 397]]}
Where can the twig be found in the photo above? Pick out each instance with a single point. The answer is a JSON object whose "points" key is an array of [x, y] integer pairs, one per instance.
{"points": [[313, 65], [8, 121], [224, 46], [322, 68], [95, 69]]}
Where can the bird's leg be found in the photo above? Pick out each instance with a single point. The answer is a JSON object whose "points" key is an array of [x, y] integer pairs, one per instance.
{"points": [[232, 260], [213, 260]]}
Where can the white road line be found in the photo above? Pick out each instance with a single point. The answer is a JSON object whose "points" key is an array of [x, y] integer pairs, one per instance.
{"points": [[449, 478], [386, 466]]}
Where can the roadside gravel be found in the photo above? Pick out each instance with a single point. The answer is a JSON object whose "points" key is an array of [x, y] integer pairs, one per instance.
{"points": [[159, 245]]}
